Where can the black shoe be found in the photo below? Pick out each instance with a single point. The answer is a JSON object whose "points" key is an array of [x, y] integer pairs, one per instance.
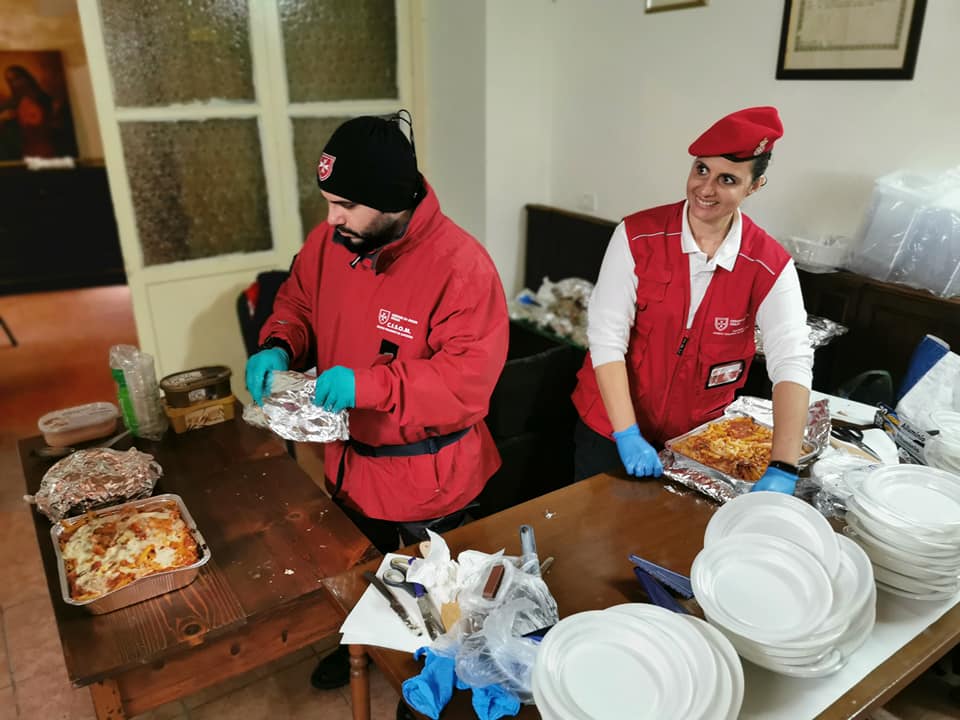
{"points": [[404, 712], [333, 671]]}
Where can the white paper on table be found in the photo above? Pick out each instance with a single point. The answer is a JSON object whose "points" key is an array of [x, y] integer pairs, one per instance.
{"points": [[373, 622]]}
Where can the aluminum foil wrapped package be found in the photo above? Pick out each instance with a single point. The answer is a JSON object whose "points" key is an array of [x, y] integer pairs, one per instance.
{"points": [[289, 411], [93, 478], [560, 307], [721, 487], [821, 332]]}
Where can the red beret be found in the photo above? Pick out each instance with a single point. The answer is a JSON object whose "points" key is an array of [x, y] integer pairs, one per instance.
{"points": [[743, 134]]}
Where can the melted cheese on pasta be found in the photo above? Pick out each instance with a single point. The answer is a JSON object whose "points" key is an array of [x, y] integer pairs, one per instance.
{"points": [[107, 552], [739, 447]]}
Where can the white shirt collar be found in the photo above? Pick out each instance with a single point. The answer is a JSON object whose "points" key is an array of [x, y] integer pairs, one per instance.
{"points": [[726, 255]]}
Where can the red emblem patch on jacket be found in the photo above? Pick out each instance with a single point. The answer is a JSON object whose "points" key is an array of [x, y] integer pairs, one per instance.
{"points": [[325, 166]]}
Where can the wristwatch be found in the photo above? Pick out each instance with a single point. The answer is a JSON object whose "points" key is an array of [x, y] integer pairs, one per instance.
{"points": [[785, 466]]}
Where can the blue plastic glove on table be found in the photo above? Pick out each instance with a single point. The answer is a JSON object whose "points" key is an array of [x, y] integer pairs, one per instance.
{"points": [[259, 372], [637, 455], [336, 389], [429, 692], [776, 480]]}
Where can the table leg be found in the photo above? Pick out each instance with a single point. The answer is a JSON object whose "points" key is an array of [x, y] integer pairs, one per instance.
{"points": [[359, 682], [106, 700]]}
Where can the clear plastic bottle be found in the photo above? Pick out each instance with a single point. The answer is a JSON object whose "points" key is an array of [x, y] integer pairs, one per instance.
{"points": [[138, 392]]}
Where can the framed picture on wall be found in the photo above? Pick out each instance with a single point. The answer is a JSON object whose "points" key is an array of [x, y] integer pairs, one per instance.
{"points": [[35, 119], [843, 40], [661, 5]]}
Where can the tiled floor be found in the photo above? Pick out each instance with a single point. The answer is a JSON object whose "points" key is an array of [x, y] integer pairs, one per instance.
{"points": [[61, 360]]}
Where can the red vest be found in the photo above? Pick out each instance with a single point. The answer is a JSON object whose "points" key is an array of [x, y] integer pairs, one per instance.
{"points": [[679, 377]]}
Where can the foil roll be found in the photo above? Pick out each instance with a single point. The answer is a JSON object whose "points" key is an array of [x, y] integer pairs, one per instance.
{"points": [[94, 478], [289, 411]]}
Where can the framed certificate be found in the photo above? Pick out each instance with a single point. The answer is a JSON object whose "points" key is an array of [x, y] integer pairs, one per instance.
{"points": [[847, 40]]}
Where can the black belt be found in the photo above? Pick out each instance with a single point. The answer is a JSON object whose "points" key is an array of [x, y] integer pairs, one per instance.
{"points": [[428, 446]]}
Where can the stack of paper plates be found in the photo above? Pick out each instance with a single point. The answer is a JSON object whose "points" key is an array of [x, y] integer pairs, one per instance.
{"points": [[636, 661], [907, 519], [789, 593]]}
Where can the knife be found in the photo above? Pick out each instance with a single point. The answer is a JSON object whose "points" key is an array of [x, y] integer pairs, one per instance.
{"points": [[430, 620], [394, 603]]}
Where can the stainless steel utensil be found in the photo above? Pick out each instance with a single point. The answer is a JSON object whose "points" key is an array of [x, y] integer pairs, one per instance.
{"points": [[395, 605]]}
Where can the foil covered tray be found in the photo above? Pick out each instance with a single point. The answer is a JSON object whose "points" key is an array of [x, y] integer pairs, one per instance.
{"points": [[143, 588], [716, 484]]}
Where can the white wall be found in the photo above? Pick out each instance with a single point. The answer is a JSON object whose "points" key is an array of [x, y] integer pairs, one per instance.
{"points": [[633, 90], [454, 139], [487, 85], [584, 97]]}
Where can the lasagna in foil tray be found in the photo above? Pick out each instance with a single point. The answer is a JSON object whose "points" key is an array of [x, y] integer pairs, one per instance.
{"points": [[736, 446], [105, 551]]}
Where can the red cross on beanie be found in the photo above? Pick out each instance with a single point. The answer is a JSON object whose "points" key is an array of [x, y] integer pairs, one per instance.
{"points": [[743, 134]]}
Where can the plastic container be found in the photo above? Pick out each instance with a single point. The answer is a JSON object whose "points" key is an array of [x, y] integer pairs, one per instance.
{"points": [[911, 232], [78, 424], [202, 414], [190, 387], [138, 391]]}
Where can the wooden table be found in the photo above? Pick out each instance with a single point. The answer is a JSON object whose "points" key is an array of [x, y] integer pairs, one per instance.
{"points": [[590, 528], [273, 536]]}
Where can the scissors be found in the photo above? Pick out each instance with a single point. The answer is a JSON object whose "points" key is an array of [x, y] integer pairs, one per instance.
{"points": [[396, 575], [854, 436]]}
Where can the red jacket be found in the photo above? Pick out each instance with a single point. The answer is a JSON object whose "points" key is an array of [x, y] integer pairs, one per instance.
{"points": [[679, 377], [435, 297]]}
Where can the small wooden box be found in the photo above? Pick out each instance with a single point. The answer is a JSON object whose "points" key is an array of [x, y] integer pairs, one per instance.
{"points": [[202, 414]]}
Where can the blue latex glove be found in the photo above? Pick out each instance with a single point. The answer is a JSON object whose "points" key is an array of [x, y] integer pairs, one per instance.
{"points": [[260, 367], [776, 480], [492, 702], [430, 691], [638, 456], [336, 389]]}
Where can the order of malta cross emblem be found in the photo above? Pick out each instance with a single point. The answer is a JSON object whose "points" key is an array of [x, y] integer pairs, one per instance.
{"points": [[721, 323], [325, 166], [383, 316]]}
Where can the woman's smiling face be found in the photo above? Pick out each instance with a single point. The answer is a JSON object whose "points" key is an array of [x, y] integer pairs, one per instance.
{"points": [[716, 187]]}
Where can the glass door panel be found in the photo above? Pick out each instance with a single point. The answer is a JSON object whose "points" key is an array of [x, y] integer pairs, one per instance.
{"points": [[163, 53], [337, 50]]}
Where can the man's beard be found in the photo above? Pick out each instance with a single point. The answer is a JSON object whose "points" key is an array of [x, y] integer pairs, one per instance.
{"points": [[366, 243]]}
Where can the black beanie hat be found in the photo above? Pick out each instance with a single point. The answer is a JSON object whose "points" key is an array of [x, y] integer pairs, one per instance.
{"points": [[368, 160]]}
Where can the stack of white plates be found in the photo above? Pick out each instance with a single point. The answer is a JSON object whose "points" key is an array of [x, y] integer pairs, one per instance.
{"points": [[907, 519], [788, 592], [636, 661]]}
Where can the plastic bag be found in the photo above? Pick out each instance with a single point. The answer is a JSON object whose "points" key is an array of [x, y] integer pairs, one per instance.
{"points": [[560, 307], [492, 649]]}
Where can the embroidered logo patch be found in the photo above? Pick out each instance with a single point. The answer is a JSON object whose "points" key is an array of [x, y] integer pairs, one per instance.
{"points": [[721, 323], [725, 373], [325, 166], [396, 324]]}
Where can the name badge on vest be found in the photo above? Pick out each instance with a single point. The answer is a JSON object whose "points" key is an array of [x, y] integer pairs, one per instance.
{"points": [[725, 373]]}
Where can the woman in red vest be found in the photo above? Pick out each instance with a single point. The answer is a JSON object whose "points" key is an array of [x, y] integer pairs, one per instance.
{"points": [[671, 320]]}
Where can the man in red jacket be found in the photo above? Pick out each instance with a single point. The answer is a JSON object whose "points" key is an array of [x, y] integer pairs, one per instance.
{"points": [[406, 316]]}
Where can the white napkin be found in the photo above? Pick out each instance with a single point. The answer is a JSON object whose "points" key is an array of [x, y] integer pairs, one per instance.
{"points": [[373, 622]]}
